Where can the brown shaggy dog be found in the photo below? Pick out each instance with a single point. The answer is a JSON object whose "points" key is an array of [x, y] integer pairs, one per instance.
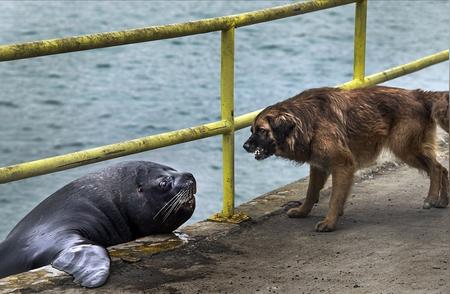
{"points": [[339, 131]]}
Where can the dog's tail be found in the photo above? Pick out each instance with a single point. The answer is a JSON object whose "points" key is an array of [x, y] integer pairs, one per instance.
{"points": [[439, 107]]}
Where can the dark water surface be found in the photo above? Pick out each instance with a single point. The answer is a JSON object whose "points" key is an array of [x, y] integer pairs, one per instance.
{"points": [[64, 103]]}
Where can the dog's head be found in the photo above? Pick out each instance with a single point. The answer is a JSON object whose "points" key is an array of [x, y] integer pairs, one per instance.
{"points": [[270, 134]]}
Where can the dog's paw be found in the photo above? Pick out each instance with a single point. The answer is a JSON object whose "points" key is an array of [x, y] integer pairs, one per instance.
{"points": [[297, 213], [427, 205], [291, 204], [441, 203], [325, 226]]}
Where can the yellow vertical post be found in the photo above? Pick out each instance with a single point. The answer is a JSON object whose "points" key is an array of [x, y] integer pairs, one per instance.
{"points": [[360, 40], [227, 110]]}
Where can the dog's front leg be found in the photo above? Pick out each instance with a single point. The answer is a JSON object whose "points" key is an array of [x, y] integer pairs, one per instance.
{"points": [[317, 179], [342, 180]]}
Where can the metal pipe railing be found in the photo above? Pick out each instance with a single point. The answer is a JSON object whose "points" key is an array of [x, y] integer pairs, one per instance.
{"points": [[359, 51], [398, 71], [80, 158], [245, 120], [75, 159], [103, 40], [227, 112]]}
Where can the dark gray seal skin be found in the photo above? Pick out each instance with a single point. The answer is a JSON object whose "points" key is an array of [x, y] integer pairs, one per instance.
{"points": [[71, 228]]}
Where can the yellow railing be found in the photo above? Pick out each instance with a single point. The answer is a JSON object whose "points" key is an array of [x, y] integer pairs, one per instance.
{"points": [[228, 123]]}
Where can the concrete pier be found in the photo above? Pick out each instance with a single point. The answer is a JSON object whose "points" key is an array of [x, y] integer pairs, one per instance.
{"points": [[385, 243]]}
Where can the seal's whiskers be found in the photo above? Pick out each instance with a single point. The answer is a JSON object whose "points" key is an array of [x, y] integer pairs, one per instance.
{"points": [[168, 204], [174, 205], [185, 198], [178, 204]]}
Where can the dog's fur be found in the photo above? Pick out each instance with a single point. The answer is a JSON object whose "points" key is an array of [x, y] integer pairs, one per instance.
{"points": [[339, 131]]}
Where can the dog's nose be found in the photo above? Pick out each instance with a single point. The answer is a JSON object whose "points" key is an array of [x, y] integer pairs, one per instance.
{"points": [[246, 146]]}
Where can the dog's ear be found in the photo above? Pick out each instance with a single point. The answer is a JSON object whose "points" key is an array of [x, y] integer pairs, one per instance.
{"points": [[281, 126]]}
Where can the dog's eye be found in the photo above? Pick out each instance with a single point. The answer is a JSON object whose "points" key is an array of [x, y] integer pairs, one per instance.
{"points": [[262, 131]]}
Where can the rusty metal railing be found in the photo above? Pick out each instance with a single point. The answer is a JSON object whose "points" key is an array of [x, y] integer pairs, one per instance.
{"points": [[228, 123]]}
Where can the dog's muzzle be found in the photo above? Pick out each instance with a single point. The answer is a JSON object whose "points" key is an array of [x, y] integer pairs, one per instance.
{"points": [[247, 147], [259, 152]]}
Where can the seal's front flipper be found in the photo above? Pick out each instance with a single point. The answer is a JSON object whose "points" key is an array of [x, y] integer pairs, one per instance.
{"points": [[88, 264]]}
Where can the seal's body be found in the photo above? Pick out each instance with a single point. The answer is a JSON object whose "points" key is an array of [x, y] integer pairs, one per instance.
{"points": [[71, 227]]}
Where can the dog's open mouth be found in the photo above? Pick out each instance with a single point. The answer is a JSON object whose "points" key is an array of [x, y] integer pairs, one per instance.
{"points": [[260, 154]]}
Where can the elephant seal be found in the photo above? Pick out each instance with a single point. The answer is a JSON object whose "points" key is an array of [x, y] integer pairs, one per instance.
{"points": [[71, 228]]}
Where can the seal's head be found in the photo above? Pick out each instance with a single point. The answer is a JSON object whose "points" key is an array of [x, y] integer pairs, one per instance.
{"points": [[120, 203], [162, 198]]}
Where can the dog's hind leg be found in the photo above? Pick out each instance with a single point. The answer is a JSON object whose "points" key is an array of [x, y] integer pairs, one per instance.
{"points": [[443, 192], [417, 149], [440, 109], [434, 170], [438, 192], [317, 179]]}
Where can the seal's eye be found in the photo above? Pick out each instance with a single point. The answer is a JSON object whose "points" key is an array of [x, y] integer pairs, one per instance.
{"points": [[140, 189], [165, 184]]}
